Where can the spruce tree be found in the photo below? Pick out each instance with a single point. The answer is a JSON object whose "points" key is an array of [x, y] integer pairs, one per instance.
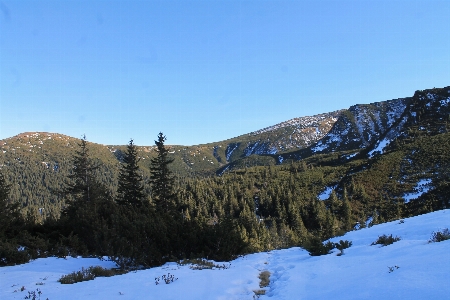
{"points": [[161, 177], [12, 230], [86, 217], [82, 180], [83, 190], [346, 213], [4, 190], [9, 212], [130, 190]]}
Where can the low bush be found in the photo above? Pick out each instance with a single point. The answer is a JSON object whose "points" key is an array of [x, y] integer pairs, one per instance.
{"points": [[89, 274], [439, 236], [315, 247], [385, 240], [34, 295], [342, 245], [10, 254], [169, 278], [392, 269], [200, 264]]}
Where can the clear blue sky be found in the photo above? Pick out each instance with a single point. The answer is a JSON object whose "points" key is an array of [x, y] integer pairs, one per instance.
{"points": [[205, 71]]}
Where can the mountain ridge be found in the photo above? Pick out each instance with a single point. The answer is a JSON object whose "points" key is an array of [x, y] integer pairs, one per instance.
{"points": [[39, 162]]}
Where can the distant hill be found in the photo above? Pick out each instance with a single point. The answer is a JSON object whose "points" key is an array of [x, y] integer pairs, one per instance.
{"points": [[401, 132]]}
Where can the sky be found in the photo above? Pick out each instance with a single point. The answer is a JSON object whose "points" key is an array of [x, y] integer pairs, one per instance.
{"points": [[206, 71], [419, 271]]}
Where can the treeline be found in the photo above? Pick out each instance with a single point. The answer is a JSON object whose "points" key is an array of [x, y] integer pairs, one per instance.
{"points": [[148, 221], [133, 228]]}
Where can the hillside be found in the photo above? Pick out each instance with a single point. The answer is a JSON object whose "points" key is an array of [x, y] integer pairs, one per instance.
{"points": [[374, 126], [39, 162], [379, 152], [412, 268]]}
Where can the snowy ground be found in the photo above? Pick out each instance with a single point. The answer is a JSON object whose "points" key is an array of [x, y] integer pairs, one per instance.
{"points": [[361, 273]]}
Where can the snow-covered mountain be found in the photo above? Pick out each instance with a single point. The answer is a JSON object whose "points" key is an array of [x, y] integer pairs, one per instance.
{"points": [[370, 128], [364, 130], [297, 133], [411, 268], [361, 125]]}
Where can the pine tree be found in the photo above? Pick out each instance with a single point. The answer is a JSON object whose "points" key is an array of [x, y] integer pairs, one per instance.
{"points": [[346, 212], [83, 191], [4, 190], [84, 220], [130, 190], [9, 212], [12, 229], [82, 177], [161, 177]]}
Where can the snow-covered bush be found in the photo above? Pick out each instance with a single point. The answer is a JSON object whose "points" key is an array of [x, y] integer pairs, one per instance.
{"points": [[439, 236], [169, 278], [34, 295], [385, 240], [88, 274], [315, 247], [200, 264], [342, 245]]}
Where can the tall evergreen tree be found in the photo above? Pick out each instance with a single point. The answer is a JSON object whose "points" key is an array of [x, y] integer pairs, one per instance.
{"points": [[87, 216], [12, 230], [9, 212], [161, 178], [346, 212], [4, 190], [130, 190], [82, 176], [83, 191]]}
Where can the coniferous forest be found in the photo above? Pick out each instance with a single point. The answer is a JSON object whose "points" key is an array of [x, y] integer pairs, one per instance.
{"points": [[142, 210], [218, 217]]}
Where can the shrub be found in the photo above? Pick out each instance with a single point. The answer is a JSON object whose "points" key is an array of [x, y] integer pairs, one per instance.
{"points": [[342, 245], [200, 264], [88, 274], [169, 278], [34, 295], [439, 236], [11, 255], [385, 240], [315, 247], [392, 269]]}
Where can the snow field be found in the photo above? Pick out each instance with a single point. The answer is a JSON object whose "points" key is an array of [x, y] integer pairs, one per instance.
{"points": [[361, 273]]}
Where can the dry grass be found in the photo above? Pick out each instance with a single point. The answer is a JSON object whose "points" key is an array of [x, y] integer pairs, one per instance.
{"points": [[264, 278], [264, 281], [89, 274]]}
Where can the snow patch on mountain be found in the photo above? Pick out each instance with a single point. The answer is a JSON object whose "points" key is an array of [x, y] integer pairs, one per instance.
{"points": [[362, 125], [326, 193], [297, 133], [422, 187], [379, 147], [302, 122], [260, 148], [250, 148], [351, 155], [230, 150]]}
